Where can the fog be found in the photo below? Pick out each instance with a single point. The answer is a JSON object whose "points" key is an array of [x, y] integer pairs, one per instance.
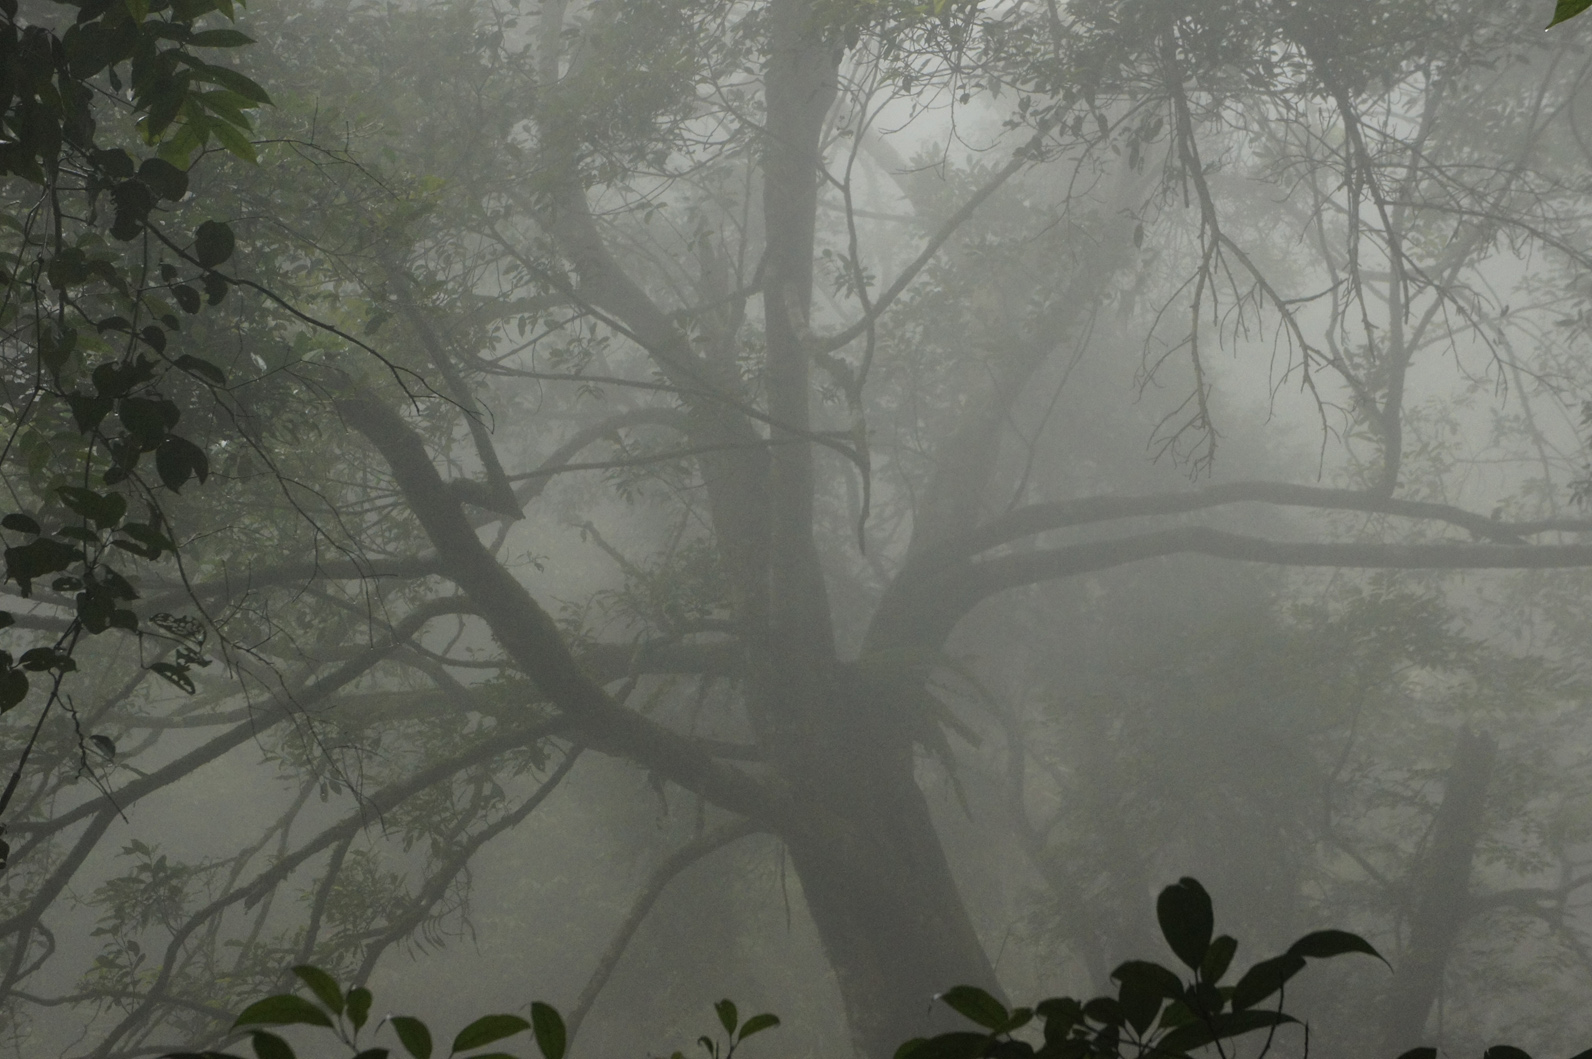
{"points": [[813, 502]]}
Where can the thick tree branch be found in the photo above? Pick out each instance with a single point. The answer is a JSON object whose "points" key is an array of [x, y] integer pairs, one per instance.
{"points": [[531, 638], [925, 608], [1039, 518]]}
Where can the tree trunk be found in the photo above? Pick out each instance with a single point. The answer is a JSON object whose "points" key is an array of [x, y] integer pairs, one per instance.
{"points": [[1441, 894], [876, 880], [881, 894]]}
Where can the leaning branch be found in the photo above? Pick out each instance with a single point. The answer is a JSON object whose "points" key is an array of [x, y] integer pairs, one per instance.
{"points": [[1009, 571], [532, 640], [1040, 518]]}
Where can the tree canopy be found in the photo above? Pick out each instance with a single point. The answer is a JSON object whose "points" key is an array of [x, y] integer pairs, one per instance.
{"points": [[946, 467]]}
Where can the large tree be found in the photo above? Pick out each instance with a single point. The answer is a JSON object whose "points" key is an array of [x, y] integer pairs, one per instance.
{"points": [[743, 260]]}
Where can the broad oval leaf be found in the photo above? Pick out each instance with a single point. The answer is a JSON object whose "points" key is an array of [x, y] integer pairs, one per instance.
{"points": [[358, 1006], [755, 1024], [1218, 958], [1153, 977], [283, 1010], [547, 1025], [488, 1028], [322, 984], [195, 365], [413, 1035], [909, 1048], [165, 179], [729, 1018], [270, 1046], [959, 1045], [1265, 978], [13, 688], [976, 1005], [1187, 920], [178, 459], [213, 243], [1144, 987], [1420, 1053]]}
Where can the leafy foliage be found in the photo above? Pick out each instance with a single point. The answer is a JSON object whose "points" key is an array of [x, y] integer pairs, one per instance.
{"points": [[94, 301], [345, 1014], [1156, 1011]]}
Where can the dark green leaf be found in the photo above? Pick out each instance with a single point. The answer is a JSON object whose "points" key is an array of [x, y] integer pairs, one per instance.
{"points": [[1264, 979], [959, 1045], [187, 298], [215, 287], [151, 542], [148, 419], [414, 1035], [1222, 1027], [755, 1024], [909, 1048], [729, 1018], [323, 985], [228, 79], [201, 368], [113, 162], [1105, 1010], [164, 179], [1155, 978], [102, 509], [1061, 1014], [548, 1027], [359, 1006], [1568, 9], [1144, 986], [37, 558], [13, 688], [88, 412], [284, 1009], [55, 349], [105, 745], [378, 1053], [1187, 921], [178, 459], [1322, 944], [976, 1005], [488, 1028], [133, 201], [1419, 1053], [1218, 958], [21, 523], [270, 1046], [213, 243]]}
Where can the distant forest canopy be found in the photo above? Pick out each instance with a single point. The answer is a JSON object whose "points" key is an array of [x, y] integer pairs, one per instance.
{"points": [[632, 501]]}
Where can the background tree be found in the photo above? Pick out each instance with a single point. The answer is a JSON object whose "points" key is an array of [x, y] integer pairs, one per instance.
{"points": [[755, 382]]}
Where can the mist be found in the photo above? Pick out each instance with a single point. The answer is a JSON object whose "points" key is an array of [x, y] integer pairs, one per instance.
{"points": [[623, 504]]}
